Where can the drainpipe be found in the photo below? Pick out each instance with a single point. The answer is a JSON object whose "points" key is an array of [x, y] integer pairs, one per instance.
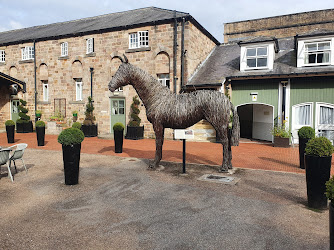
{"points": [[91, 81], [175, 51], [284, 83], [35, 79], [182, 55]]}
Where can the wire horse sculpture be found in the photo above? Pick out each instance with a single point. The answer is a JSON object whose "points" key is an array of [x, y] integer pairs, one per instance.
{"points": [[165, 109]]}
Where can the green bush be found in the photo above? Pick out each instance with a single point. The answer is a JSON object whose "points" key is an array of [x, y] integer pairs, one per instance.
{"points": [[306, 132], [118, 126], [9, 123], [40, 124], [89, 116], [76, 125], [135, 120], [71, 136], [330, 189], [319, 146], [281, 131], [24, 118]]}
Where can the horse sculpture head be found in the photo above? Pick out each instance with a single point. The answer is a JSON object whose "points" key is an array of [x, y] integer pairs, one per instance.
{"points": [[121, 77]]}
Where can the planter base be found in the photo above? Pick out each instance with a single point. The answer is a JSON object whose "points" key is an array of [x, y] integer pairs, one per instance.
{"points": [[71, 159], [134, 133], [89, 130], [10, 133], [24, 127], [281, 142]]}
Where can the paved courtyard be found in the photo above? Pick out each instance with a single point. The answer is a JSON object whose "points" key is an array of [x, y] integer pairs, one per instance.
{"points": [[119, 204]]}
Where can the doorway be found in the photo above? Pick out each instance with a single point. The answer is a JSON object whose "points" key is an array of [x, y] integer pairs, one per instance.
{"points": [[117, 112], [14, 110]]}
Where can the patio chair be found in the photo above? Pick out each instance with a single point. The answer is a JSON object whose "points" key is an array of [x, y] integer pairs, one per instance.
{"points": [[17, 154], [4, 159]]}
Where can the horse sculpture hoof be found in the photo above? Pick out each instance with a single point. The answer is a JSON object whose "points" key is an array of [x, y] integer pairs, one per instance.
{"points": [[222, 170]]}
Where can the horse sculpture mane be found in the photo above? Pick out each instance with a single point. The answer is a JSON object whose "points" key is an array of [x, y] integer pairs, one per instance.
{"points": [[165, 109]]}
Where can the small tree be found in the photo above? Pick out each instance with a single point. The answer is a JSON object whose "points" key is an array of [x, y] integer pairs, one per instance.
{"points": [[90, 118], [135, 120], [24, 118]]}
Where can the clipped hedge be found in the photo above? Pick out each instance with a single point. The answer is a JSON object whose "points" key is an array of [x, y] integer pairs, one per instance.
{"points": [[71, 136], [319, 146], [9, 123], [306, 132], [40, 124], [118, 126], [76, 125], [330, 189]]}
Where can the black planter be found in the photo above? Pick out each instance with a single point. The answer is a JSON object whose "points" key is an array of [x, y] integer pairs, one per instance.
{"points": [[89, 130], [302, 146], [317, 173], [118, 138], [331, 226], [10, 133], [134, 133], [281, 142], [71, 159], [24, 127], [40, 132]]}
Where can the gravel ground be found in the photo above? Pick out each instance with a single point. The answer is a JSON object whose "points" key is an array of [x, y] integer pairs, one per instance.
{"points": [[119, 204]]}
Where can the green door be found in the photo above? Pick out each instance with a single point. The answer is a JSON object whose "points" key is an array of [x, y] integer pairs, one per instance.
{"points": [[14, 110], [117, 112]]}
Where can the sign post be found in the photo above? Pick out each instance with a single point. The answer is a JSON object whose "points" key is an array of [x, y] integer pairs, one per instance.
{"points": [[183, 134]]}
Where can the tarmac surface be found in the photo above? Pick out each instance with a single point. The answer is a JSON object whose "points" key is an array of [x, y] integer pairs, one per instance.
{"points": [[119, 204]]}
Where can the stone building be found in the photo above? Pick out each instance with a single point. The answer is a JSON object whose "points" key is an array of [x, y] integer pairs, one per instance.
{"points": [[60, 65], [276, 69]]}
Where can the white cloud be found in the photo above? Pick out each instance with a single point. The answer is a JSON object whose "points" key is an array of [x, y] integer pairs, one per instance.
{"points": [[15, 25]]}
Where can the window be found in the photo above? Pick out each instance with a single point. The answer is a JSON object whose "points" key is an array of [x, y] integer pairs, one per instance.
{"points": [[118, 107], [78, 89], [325, 120], [257, 57], [90, 45], [317, 53], [45, 91], [138, 39], [64, 49], [27, 53], [2, 56], [302, 115], [164, 79]]}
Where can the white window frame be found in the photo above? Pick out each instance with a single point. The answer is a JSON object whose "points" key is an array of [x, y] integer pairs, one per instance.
{"points": [[45, 91], [163, 78], [319, 126], [78, 89], [64, 49], [2, 55], [296, 127], [27, 53], [301, 53], [90, 45], [139, 39], [270, 56]]}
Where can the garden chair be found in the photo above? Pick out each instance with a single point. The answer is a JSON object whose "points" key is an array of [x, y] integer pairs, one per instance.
{"points": [[4, 159], [17, 154]]}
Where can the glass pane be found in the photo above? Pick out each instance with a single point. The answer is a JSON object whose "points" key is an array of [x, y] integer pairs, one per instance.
{"points": [[121, 104], [251, 63], [311, 58], [311, 47], [323, 58], [303, 115], [262, 62], [115, 104], [251, 52], [262, 51], [323, 46], [121, 111], [326, 115]]}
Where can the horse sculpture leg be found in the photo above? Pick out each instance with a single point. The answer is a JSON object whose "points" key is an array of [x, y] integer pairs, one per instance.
{"points": [[159, 140], [223, 133]]}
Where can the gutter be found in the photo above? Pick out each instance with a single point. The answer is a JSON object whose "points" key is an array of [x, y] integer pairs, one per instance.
{"points": [[35, 79], [291, 75], [174, 52]]}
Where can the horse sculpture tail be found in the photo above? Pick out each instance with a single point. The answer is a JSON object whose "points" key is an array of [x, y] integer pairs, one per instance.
{"points": [[235, 137]]}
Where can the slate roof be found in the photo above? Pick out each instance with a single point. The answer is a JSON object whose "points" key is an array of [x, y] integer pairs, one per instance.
{"points": [[224, 62], [108, 22]]}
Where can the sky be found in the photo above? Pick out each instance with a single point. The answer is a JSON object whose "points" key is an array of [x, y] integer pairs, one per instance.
{"points": [[211, 14]]}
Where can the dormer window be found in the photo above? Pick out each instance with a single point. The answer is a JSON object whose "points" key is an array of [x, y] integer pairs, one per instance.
{"points": [[257, 56], [315, 51]]}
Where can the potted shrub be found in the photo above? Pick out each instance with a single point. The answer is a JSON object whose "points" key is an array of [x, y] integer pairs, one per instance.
{"points": [[40, 132], [71, 139], [23, 124], [134, 131], [88, 127], [318, 157], [330, 196], [118, 137], [10, 129], [76, 125], [304, 135], [281, 136], [38, 114]]}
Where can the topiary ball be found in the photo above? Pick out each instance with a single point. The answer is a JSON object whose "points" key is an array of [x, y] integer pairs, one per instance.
{"points": [[319, 146], [40, 124], [306, 132], [118, 126], [9, 123], [71, 136], [76, 125]]}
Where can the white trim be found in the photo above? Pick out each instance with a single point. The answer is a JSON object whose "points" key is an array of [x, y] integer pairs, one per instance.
{"points": [[45, 91], [294, 127], [89, 45], [78, 87], [139, 39], [270, 56], [64, 49], [317, 117], [287, 104], [27, 53], [2, 55]]}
